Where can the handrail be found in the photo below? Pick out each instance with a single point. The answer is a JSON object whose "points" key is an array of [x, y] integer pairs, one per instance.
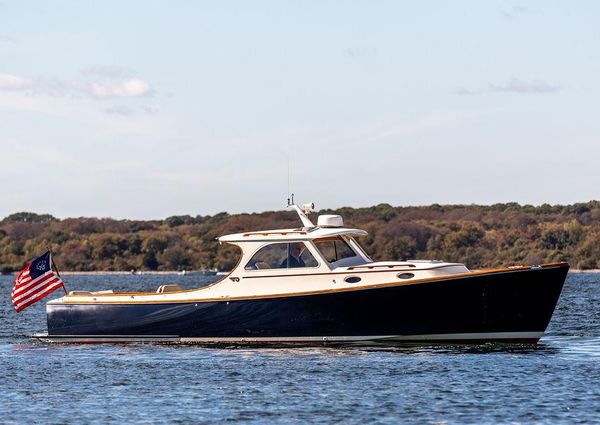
{"points": [[295, 232], [383, 266]]}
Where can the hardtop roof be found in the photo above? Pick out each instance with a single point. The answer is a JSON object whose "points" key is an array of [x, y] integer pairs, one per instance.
{"points": [[298, 234]]}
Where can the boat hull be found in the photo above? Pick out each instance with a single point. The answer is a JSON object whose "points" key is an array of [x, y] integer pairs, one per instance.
{"points": [[508, 306]]}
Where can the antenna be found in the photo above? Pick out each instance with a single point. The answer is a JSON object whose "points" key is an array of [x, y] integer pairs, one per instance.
{"points": [[306, 208], [290, 199]]}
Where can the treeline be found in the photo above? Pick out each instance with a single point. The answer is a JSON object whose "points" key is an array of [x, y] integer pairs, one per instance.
{"points": [[479, 236]]}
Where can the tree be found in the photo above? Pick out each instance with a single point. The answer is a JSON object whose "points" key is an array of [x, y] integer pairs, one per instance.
{"points": [[150, 261], [28, 217]]}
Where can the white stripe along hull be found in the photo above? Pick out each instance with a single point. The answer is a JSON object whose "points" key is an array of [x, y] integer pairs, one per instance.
{"points": [[530, 337]]}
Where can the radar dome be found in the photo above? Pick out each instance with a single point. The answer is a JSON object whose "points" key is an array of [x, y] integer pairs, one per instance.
{"points": [[329, 220]]}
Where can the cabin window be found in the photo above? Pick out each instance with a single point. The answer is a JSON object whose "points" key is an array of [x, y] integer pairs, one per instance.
{"points": [[334, 249], [282, 256]]}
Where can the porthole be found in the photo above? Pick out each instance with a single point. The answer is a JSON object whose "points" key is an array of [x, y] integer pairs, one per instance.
{"points": [[405, 275], [352, 279]]}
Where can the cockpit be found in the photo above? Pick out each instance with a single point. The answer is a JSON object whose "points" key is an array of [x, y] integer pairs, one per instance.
{"points": [[328, 245]]}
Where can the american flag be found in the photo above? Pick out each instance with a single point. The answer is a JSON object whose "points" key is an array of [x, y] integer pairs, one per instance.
{"points": [[36, 281]]}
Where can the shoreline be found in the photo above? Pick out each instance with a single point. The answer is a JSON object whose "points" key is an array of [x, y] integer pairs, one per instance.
{"points": [[584, 271]]}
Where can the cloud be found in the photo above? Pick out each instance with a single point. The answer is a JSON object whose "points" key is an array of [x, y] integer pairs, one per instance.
{"points": [[119, 110], [44, 87], [58, 88], [105, 71], [151, 110], [463, 91], [360, 51], [114, 82], [76, 88], [128, 111], [516, 85], [133, 87], [14, 82], [7, 39], [516, 11]]}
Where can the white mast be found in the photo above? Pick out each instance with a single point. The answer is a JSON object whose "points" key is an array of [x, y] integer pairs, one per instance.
{"points": [[302, 212]]}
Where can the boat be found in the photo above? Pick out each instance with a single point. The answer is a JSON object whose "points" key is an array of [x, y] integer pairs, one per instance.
{"points": [[316, 284]]}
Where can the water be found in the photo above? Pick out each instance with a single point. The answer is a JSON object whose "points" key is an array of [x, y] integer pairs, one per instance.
{"points": [[557, 381]]}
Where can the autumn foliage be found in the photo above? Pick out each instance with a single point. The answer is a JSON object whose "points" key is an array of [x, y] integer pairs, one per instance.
{"points": [[479, 236]]}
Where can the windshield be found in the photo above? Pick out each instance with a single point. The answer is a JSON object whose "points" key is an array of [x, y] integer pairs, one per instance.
{"points": [[335, 249], [282, 256]]}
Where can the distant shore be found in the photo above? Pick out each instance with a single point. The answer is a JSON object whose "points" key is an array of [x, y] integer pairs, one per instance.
{"points": [[481, 236], [584, 271]]}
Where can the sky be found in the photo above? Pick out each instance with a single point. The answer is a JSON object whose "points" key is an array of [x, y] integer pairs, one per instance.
{"points": [[147, 109]]}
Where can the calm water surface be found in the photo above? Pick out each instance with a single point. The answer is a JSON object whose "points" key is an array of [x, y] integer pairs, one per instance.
{"points": [[557, 381]]}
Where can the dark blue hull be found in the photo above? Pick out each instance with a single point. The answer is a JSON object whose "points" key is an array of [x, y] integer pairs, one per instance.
{"points": [[511, 305]]}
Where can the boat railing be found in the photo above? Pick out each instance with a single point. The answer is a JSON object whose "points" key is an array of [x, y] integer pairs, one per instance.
{"points": [[294, 232], [382, 266]]}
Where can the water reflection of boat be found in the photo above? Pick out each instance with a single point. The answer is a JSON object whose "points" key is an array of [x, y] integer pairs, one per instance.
{"points": [[332, 291]]}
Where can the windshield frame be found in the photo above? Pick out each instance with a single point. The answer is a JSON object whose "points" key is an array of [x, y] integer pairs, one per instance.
{"points": [[358, 247]]}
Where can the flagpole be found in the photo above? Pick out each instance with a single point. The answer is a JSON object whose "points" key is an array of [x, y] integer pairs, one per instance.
{"points": [[56, 269]]}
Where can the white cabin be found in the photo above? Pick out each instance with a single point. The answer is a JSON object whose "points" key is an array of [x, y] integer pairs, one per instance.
{"points": [[307, 260]]}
